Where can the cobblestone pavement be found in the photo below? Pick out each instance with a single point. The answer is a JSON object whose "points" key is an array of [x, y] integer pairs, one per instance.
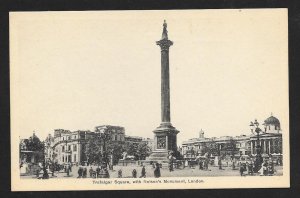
{"points": [[186, 172]]}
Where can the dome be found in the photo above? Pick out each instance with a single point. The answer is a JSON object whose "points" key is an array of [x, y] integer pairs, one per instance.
{"points": [[272, 120]]}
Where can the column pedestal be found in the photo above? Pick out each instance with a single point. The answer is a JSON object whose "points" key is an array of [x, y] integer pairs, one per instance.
{"points": [[165, 139]]}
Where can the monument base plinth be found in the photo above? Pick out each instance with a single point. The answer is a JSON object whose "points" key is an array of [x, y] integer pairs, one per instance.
{"points": [[165, 142], [160, 157]]}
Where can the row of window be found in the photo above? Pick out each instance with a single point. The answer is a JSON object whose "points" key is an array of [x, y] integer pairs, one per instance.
{"points": [[68, 158], [238, 145], [63, 148], [118, 138], [275, 127], [69, 137]]}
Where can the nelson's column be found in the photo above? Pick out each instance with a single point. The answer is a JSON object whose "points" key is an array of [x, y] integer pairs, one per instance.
{"points": [[165, 136]]}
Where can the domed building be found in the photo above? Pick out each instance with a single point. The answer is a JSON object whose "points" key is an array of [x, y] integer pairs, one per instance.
{"points": [[272, 125], [270, 138]]}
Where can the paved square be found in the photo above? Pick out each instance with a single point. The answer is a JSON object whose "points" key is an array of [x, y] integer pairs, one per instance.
{"points": [[186, 172]]}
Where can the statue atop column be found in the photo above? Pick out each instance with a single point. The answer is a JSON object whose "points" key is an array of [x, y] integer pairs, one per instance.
{"points": [[165, 31]]}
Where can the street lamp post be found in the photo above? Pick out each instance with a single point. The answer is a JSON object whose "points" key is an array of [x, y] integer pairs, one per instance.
{"points": [[254, 126]]}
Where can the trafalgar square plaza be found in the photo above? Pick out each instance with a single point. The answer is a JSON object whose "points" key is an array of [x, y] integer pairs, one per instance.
{"points": [[220, 126]]}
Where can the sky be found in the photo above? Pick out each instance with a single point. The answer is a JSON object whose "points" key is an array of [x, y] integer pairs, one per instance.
{"points": [[78, 70]]}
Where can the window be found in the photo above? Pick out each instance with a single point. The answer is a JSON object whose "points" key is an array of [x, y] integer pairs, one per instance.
{"points": [[69, 137], [69, 147], [63, 148], [75, 157], [75, 148]]}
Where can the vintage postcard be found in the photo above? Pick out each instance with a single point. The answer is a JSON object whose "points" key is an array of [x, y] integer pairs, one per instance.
{"points": [[128, 100]]}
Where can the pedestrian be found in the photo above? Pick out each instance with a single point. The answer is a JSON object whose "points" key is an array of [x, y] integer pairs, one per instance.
{"points": [[52, 169], [220, 163], [91, 172], [241, 169], [250, 168], [98, 171], [153, 165], [245, 166], [186, 163], [37, 172], [143, 173], [201, 164], [106, 173], [157, 171], [270, 168], [265, 168], [120, 173], [206, 163], [68, 170], [171, 167], [70, 167], [45, 174], [111, 166], [80, 171], [84, 173], [134, 173]]}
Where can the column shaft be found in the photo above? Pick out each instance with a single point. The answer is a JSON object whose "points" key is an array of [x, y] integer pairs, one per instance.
{"points": [[165, 86]]}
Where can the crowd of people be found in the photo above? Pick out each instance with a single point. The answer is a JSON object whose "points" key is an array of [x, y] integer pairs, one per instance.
{"points": [[266, 168], [249, 167], [99, 172]]}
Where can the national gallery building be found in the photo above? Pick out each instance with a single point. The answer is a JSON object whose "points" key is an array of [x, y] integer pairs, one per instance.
{"points": [[270, 140]]}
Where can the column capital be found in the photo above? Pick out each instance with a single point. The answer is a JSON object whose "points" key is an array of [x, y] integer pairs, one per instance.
{"points": [[164, 44]]}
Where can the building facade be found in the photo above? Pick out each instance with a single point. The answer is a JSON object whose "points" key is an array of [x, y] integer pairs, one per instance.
{"points": [[68, 147], [133, 139], [270, 140]]}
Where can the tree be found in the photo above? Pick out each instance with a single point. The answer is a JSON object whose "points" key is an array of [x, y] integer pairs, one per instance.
{"points": [[33, 144], [278, 145], [143, 150], [115, 149], [93, 150], [230, 147], [131, 148], [210, 147]]}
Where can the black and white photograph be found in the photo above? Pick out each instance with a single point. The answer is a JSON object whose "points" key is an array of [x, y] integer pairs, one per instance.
{"points": [[160, 99]]}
